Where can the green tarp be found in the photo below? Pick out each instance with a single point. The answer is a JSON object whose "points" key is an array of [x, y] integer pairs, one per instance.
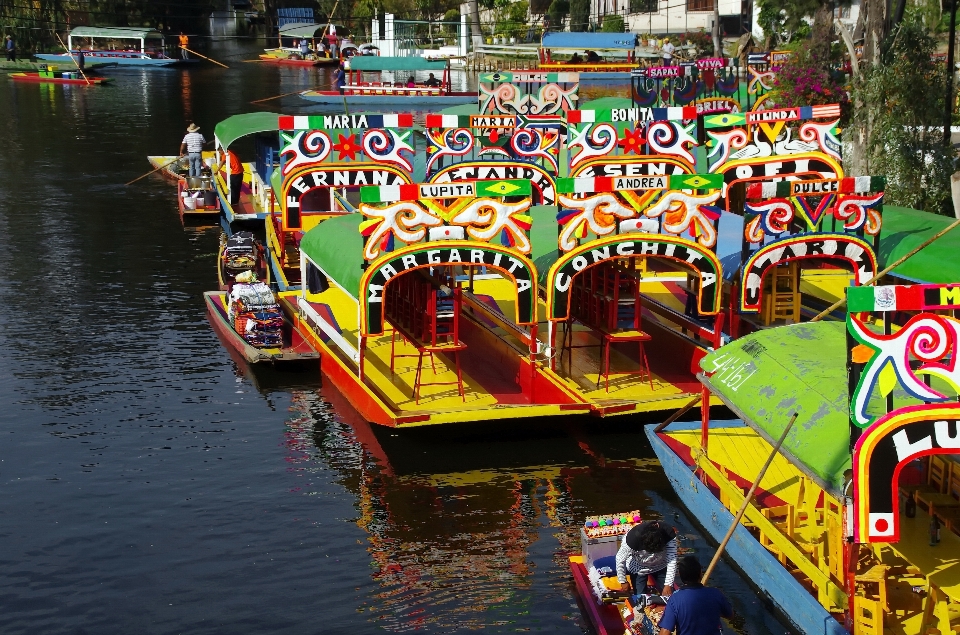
{"points": [[380, 63], [232, 128], [114, 32], [337, 247], [903, 230], [768, 375]]}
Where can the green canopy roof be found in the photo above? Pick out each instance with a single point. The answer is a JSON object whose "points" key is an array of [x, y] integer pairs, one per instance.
{"points": [[301, 29], [336, 246], [903, 230], [232, 128], [767, 376], [380, 63], [131, 33]]}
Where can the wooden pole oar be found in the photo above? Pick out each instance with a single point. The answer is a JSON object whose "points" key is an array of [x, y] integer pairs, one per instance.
{"points": [[209, 59], [75, 63], [746, 501], [296, 92], [169, 163], [679, 413], [839, 303]]}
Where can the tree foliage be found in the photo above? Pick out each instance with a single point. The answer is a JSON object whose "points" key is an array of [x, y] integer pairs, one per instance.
{"points": [[900, 112], [556, 13], [612, 24], [579, 15]]}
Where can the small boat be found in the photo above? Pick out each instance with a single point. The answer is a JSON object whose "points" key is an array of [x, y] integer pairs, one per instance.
{"points": [[610, 609], [51, 75], [615, 53], [239, 253], [376, 80], [175, 168], [267, 335], [292, 55], [151, 51], [196, 197]]}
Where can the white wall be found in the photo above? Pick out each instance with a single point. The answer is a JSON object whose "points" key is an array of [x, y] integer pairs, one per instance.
{"points": [[672, 16]]}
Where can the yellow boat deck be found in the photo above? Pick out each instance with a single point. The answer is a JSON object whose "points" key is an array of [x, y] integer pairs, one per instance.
{"points": [[800, 524]]}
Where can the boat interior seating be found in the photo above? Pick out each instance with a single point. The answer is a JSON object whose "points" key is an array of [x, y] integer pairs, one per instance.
{"points": [[424, 310], [606, 299]]}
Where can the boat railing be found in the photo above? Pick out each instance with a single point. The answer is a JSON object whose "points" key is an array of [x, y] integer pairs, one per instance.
{"points": [[385, 88]]}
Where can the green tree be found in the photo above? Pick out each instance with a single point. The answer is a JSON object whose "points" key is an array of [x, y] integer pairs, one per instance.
{"points": [[579, 15], [899, 112], [612, 24], [556, 13]]}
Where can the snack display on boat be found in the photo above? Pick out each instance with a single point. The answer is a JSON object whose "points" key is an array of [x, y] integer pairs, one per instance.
{"points": [[643, 616], [254, 312], [610, 524]]}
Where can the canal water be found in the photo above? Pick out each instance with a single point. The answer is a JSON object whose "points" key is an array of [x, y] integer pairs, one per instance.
{"points": [[150, 484]]}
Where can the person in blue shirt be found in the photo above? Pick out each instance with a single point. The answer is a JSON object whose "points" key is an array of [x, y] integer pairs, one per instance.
{"points": [[694, 609]]}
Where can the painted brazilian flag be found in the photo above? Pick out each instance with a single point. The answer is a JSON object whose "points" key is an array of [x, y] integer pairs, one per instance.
{"points": [[725, 120], [696, 181], [506, 187]]}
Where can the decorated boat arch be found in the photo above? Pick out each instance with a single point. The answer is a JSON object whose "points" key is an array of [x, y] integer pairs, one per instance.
{"points": [[711, 85], [832, 221], [528, 93]]}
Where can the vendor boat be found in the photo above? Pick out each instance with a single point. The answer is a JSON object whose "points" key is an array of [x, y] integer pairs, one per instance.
{"points": [[35, 67], [197, 199], [175, 168], [319, 55], [248, 319], [375, 80], [51, 75], [610, 608], [615, 53], [148, 47], [239, 254]]}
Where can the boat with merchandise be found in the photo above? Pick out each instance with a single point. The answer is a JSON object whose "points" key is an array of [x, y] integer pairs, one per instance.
{"points": [[317, 55], [50, 75]]}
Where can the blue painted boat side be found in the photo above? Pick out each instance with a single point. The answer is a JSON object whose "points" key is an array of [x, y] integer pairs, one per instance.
{"points": [[612, 76], [413, 103], [120, 61], [230, 215], [801, 608], [276, 274]]}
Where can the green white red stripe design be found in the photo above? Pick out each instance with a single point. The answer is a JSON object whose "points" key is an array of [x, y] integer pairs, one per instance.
{"points": [[529, 76], [614, 115], [846, 185], [327, 122], [914, 297], [471, 121]]}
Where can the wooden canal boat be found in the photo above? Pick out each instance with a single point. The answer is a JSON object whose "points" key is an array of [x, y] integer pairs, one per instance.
{"points": [[239, 253], [197, 199], [284, 344], [148, 48], [255, 198], [862, 540], [375, 80], [174, 167], [291, 55], [53, 76], [27, 65]]}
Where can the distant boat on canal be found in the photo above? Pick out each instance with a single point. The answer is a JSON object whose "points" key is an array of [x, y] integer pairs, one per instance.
{"points": [[116, 47]]}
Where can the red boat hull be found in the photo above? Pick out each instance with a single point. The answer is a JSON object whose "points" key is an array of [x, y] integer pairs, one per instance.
{"points": [[36, 79]]}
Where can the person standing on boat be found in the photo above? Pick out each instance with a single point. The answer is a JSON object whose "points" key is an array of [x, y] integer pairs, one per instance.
{"points": [[694, 609], [432, 82], [666, 51], [648, 549], [184, 45], [11, 49], [232, 162], [80, 61], [304, 48], [192, 146]]}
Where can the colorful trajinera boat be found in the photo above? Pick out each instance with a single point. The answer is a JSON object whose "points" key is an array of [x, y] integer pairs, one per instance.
{"points": [[248, 319], [615, 52], [318, 55], [148, 47], [375, 80], [51, 75], [855, 527]]}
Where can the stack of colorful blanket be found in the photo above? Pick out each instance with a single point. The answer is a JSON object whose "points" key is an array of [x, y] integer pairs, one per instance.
{"points": [[256, 315]]}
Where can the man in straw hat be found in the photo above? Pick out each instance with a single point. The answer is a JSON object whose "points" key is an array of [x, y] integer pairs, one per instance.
{"points": [[192, 146], [694, 609], [648, 550]]}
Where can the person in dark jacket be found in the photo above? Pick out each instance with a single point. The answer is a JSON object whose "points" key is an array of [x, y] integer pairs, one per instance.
{"points": [[694, 609]]}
